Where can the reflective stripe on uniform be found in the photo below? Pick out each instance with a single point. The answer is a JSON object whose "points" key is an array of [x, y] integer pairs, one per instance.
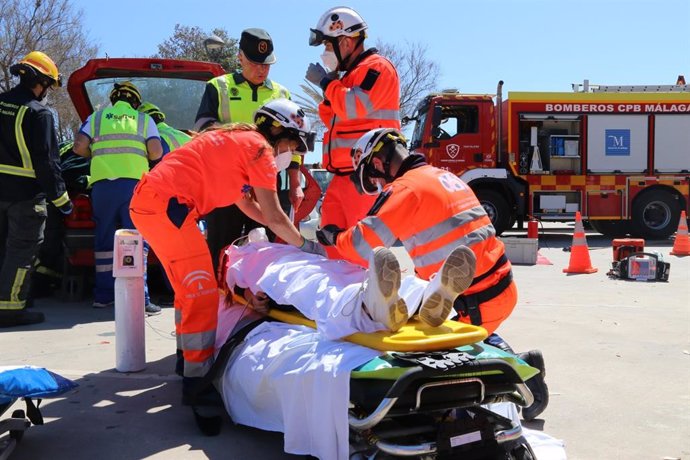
{"points": [[379, 227], [62, 199], [198, 340], [197, 369], [440, 254], [139, 139], [27, 167], [450, 224], [104, 268], [12, 304], [223, 100], [103, 254]]}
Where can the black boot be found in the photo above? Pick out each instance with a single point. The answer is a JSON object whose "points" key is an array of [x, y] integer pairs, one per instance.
{"points": [[536, 384], [11, 318]]}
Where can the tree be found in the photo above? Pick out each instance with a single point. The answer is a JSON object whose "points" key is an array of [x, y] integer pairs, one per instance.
{"points": [[51, 26], [188, 43], [418, 76]]}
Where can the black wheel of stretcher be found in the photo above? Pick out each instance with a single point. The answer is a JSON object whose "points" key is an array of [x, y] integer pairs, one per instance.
{"points": [[17, 435], [522, 451]]}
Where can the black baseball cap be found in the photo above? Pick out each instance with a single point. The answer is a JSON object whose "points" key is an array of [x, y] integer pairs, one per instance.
{"points": [[257, 46]]}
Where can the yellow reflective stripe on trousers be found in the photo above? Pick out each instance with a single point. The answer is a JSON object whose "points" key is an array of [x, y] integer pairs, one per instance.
{"points": [[27, 167], [14, 303]]}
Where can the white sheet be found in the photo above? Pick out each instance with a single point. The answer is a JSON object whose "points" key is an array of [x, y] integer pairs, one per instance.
{"points": [[288, 378], [327, 291]]}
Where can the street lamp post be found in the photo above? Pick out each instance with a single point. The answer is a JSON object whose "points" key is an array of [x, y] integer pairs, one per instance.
{"points": [[213, 45]]}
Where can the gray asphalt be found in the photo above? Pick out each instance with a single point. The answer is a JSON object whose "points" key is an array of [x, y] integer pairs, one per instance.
{"points": [[617, 356]]}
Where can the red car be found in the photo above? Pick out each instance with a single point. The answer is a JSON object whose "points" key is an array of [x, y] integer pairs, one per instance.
{"points": [[176, 86]]}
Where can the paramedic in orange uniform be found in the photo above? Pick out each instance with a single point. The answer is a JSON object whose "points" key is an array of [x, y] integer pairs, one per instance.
{"points": [[432, 212], [366, 97], [219, 167]]}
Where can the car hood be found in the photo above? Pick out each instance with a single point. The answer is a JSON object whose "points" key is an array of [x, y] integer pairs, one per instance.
{"points": [[176, 86]]}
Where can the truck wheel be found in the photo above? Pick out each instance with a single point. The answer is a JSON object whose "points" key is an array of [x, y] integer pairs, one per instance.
{"points": [[656, 214], [497, 208], [612, 228]]}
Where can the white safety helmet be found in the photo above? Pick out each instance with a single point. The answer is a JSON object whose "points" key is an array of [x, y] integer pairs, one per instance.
{"points": [[337, 22], [364, 150], [288, 115]]}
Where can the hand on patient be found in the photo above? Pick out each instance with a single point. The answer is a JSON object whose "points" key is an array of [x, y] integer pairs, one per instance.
{"points": [[257, 302], [328, 235], [312, 247]]}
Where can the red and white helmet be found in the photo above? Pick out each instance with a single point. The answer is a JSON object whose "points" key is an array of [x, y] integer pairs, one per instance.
{"points": [[340, 21], [285, 114]]}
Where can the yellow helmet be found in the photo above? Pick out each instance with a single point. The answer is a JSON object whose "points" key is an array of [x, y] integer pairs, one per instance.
{"points": [[128, 90], [152, 110], [38, 62]]}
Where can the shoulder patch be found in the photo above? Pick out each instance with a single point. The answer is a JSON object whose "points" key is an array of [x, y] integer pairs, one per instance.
{"points": [[369, 80]]}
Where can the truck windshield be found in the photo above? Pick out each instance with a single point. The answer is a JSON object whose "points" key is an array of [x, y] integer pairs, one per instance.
{"points": [[178, 98], [418, 132]]}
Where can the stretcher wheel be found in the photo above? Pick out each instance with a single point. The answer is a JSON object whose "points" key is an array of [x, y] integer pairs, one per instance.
{"points": [[17, 435]]}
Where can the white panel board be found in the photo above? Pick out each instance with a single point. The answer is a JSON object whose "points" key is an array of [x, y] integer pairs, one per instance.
{"points": [[672, 143], [617, 143]]}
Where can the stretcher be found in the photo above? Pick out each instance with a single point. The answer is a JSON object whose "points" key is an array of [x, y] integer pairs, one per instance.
{"points": [[430, 400], [30, 384]]}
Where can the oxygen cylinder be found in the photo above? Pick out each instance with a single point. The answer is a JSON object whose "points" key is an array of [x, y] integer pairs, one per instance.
{"points": [[128, 270]]}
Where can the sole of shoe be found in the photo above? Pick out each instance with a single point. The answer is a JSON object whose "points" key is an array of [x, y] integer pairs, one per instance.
{"points": [[456, 275], [387, 282], [102, 305]]}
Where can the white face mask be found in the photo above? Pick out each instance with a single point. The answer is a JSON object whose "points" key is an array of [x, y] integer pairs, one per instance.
{"points": [[283, 160], [329, 60]]}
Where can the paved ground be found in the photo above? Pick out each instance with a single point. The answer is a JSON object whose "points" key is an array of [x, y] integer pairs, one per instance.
{"points": [[617, 355]]}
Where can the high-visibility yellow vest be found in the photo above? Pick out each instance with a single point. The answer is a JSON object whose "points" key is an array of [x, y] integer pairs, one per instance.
{"points": [[237, 100], [173, 137], [118, 143]]}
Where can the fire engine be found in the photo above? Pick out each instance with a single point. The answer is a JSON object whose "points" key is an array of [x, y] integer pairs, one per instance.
{"points": [[618, 154]]}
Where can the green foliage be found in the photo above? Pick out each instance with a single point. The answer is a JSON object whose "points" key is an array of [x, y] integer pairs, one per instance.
{"points": [[188, 43]]}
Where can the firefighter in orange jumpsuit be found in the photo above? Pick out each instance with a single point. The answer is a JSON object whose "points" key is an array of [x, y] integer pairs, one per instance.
{"points": [[366, 97], [433, 213], [219, 167]]}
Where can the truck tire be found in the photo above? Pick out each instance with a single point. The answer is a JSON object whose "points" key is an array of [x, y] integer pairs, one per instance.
{"points": [[613, 228], [655, 214], [497, 208]]}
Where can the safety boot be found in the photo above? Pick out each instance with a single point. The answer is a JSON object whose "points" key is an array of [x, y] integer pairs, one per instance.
{"points": [[456, 275], [537, 385], [381, 298], [12, 318]]}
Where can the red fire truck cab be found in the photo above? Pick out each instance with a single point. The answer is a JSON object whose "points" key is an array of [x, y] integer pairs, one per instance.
{"points": [[619, 155]]}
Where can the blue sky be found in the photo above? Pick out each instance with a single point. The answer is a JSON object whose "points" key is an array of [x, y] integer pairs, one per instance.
{"points": [[533, 45]]}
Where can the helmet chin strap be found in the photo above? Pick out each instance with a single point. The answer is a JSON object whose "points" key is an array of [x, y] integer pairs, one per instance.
{"points": [[343, 60]]}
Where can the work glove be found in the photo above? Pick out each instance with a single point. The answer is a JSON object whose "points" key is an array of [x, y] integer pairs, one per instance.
{"points": [[66, 208], [328, 235], [312, 247], [315, 73]]}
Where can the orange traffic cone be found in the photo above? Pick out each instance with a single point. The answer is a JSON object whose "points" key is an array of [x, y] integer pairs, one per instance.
{"points": [[681, 247], [579, 252]]}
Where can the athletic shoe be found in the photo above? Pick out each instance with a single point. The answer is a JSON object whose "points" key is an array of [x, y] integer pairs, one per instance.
{"points": [[381, 298], [537, 385], [103, 304], [456, 275], [152, 309], [11, 318]]}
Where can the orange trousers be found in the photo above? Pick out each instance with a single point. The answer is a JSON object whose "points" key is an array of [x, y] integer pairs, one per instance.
{"points": [[185, 256], [344, 207], [496, 310]]}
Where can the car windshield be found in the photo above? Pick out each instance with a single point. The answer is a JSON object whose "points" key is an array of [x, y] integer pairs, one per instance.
{"points": [[178, 98]]}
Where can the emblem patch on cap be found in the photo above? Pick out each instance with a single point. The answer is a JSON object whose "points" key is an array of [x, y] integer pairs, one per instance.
{"points": [[263, 46]]}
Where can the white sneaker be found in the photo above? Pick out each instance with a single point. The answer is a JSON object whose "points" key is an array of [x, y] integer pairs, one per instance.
{"points": [[456, 275], [381, 298]]}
